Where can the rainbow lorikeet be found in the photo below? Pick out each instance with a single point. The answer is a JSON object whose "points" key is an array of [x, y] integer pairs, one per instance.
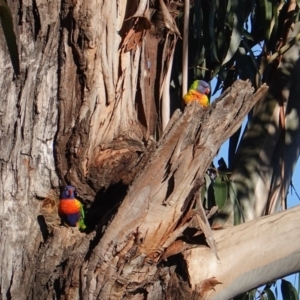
{"points": [[198, 92], [70, 209]]}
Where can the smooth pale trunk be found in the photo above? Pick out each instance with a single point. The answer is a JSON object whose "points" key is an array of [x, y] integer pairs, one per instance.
{"points": [[251, 254]]}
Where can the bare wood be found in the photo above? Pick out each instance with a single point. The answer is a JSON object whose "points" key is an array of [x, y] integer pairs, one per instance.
{"points": [[250, 253], [205, 227]]}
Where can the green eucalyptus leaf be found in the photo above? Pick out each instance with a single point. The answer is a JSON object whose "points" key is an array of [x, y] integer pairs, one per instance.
{"points": [[8, 30], [211, 202], [297, 16], [252, 294], [238, 214], [265, 7], [207, 195], [269, 294], [207, 181], [202, 70], [211, 29], [274, 23], [202, 195], [247, 35], [228, 8], [198, 43], [238, 24], [235, 41], [288, 291], [204, 189], [220, 191]]}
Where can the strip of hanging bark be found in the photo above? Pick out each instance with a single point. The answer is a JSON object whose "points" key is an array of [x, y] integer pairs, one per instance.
{"points": [[168, 19], [136, 34], [205, 227], [165, 90], [141, 10], [167, 59]]}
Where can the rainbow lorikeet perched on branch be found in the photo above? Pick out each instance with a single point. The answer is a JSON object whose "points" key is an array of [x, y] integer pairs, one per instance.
{"points": [[70, 209], [198, 92]]}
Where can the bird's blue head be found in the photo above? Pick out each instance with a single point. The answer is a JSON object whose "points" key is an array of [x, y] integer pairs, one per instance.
{"points": [[68, 192], [203, 87]]}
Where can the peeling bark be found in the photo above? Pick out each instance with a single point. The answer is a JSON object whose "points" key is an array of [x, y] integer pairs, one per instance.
{"points": [[28, 118], [112, 99], [84, 111]]}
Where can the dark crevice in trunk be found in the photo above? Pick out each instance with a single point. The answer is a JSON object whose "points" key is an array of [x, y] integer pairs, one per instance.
{"points": [[101, 210], [37, 20]]}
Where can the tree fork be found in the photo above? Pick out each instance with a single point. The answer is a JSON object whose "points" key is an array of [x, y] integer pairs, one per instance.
{"points": [[124, 258]]}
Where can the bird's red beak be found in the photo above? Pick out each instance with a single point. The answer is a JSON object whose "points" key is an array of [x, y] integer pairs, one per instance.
{"points": [[207, 91]]}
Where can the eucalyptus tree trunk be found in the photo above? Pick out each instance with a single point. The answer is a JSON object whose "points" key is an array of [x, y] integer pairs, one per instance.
{"points": [[82, 111], [85, 111], [77, 113]]}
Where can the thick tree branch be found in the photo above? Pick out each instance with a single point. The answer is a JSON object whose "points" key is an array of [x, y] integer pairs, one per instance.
{"points": [[250, 254]]}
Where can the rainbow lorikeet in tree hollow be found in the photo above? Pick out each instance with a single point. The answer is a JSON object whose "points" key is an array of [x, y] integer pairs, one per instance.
{"points": [[198, 92], [70, 209]]}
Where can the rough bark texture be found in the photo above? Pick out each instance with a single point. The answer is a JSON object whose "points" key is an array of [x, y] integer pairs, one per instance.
{"points": [[28, 117], [83, 111]]}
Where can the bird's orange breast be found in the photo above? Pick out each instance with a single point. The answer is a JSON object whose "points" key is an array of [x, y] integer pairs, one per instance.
{"points": [[193, 95], [69, 206]]}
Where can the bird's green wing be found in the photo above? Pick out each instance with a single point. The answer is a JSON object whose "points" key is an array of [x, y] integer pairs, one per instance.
{"points": [[194, 85], [81, 224], [82, 211]]}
